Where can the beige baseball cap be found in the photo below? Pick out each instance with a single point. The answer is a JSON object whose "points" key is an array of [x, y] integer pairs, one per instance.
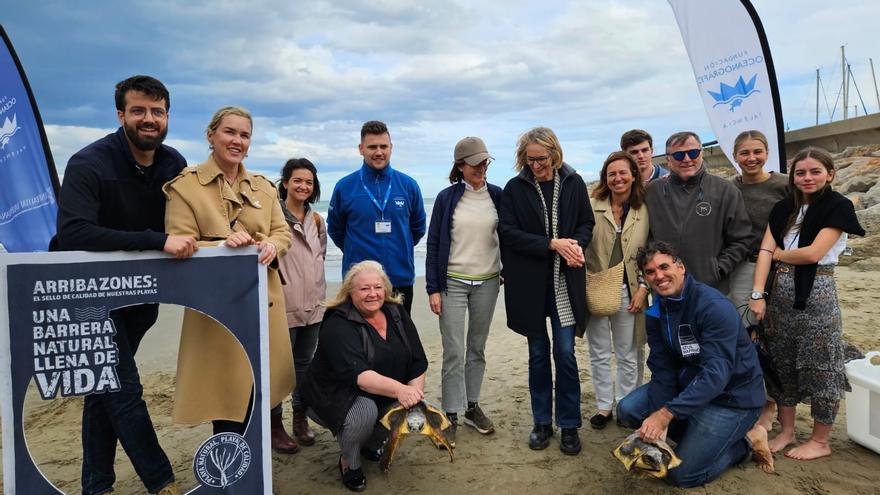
{"points": [[472, 150]]}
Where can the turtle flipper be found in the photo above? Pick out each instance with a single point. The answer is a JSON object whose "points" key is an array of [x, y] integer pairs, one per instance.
{"points": [[674, 460], [435, 423], [433, 411], [629, 451], [396, 423], [392, 413]]}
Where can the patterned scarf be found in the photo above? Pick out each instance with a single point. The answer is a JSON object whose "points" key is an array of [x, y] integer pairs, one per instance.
{"points": [[551, 228]]}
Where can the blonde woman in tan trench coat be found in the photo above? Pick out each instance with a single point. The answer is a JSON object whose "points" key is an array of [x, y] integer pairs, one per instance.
{"points": [[220, 202], [618, 203]]}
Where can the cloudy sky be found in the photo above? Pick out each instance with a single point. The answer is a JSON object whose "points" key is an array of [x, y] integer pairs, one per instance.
{"points": [[435, 71]]}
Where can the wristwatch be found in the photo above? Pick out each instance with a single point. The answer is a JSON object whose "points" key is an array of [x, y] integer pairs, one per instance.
{"points": [[757, 296]]}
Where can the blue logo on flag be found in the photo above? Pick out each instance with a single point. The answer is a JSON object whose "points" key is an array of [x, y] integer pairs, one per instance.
{"points": [[734, 95], [10, 127]]}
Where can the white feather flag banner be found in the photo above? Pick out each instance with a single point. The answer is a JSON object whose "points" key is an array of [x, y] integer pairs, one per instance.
{"points": [[733, 69]]}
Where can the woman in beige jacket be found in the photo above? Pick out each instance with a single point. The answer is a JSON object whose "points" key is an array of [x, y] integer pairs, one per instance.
{"points": [[621, 229], [220, 202]]}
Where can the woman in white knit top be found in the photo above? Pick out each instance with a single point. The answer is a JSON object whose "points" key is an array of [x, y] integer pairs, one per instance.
{"points": [[462, 279]]}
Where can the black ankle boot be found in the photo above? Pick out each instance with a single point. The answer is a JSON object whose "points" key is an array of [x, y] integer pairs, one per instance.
{"points": [[539, 439], [571, 442]]}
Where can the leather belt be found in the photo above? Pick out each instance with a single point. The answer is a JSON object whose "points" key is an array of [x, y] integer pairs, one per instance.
{"points": [[820, 270]]}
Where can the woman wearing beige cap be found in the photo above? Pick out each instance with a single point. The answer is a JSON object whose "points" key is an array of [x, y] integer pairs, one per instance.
{"points": [[462, 279]]}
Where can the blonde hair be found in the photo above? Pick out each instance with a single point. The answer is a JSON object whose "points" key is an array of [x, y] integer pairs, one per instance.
{"points": [[344, 294], [746, 135], [539, 135], [223, 112]]}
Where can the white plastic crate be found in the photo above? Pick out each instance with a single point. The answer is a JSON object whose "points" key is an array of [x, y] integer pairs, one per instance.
{"points": [[863, 403]]}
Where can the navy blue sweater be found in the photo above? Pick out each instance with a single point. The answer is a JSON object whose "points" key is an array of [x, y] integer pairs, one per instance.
{"points": [[439, 239], [108, 204], [701, 353]]}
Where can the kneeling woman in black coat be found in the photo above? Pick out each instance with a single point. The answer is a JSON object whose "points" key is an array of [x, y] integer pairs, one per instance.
{"points": [[369, 356], [545, 224]]}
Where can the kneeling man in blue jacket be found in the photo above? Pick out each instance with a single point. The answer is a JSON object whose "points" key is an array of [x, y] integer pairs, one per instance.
{"points": [[707, 388]]}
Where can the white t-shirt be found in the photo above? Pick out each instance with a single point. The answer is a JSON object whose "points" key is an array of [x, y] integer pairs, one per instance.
{"points": [[791, 240]]}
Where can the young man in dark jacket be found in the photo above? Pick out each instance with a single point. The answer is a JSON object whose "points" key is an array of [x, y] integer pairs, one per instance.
{"points": [[707, 388], [112, 200]]}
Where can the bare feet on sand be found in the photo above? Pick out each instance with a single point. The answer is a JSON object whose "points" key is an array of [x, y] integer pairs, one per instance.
{"points": [[781, 441], [813, 449], [761, 448]]}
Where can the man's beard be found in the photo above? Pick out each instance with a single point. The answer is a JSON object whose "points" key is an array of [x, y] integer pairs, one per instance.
{"points": [[145, 144]]}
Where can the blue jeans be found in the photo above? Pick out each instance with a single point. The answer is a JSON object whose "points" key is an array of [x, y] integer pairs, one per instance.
{"points": [[709, 442], [568, 384], [123, 415]]}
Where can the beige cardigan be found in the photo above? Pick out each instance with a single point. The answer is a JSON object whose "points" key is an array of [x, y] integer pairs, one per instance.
{"points": [[633, 237]]}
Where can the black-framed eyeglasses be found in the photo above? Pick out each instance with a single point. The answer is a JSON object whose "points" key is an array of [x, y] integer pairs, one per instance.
{"points": [[140, 112], [692, 154], [540, 160]]}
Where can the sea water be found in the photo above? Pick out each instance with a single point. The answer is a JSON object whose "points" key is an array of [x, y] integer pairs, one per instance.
{"points": [[333, 261]]}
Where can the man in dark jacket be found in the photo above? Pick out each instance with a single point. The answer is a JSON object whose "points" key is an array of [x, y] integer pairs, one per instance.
{"points": [[702, 214], [707, 388], [112, 200]]}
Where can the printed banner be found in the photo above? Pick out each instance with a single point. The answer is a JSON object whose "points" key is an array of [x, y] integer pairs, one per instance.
{"points": [[734, 72], [28, 182], [58, 308]]}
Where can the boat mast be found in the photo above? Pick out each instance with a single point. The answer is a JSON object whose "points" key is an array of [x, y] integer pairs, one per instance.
{"points": [[876, 93], [844, 81], [817, 96]]}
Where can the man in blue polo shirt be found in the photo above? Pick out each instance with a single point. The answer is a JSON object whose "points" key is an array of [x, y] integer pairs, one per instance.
{"points": [[707, 388], [376, 213], [112, 200]]}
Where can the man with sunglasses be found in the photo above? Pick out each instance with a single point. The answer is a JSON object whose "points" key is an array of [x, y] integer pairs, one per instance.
{"points": [[704, 215]]}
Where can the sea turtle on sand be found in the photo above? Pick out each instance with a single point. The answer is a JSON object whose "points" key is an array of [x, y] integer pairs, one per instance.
{"points": [[421, 418], [646, 459]]}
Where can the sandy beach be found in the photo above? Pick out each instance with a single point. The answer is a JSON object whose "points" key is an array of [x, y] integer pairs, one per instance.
{"points": [[501, 462]]}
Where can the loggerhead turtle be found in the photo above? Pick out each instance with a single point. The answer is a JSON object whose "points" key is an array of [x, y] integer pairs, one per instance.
{"points": [[643, 458], [421, 418]]}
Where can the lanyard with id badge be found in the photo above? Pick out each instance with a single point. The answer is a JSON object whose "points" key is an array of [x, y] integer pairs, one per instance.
{"points": [[382, 226]]}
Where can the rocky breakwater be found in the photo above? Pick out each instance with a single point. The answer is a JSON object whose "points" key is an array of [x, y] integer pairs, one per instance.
{"points": [[858, 178]]}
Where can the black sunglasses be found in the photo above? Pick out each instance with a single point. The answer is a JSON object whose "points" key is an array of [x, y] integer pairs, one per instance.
{"points": [[693, 154]]}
